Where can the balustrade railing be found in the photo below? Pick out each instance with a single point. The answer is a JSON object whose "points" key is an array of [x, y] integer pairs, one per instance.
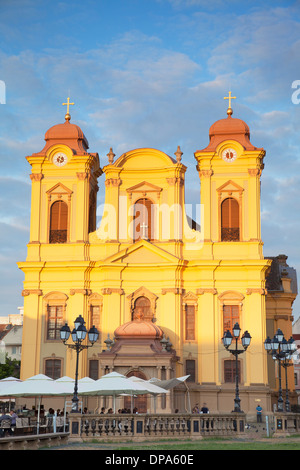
{"points": [[155, 425]]}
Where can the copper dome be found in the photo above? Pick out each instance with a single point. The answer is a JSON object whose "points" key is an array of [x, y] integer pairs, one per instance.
{"points": [[229, 129], [229, 126], [67, 133], [138, 329]]}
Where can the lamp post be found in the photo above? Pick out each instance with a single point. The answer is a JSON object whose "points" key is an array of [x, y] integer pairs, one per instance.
{"points": [[78, 335], [281, 351], [227, 340]]}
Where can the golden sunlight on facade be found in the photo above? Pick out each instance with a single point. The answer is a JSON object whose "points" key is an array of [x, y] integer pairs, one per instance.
{"points": [[161, 289]]}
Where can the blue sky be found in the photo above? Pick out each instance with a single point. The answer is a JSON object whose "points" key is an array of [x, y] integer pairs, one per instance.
{"points": [[148, 73]]}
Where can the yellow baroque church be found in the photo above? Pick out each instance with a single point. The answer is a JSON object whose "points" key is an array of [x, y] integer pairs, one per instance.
{"points": [[160, 289]]}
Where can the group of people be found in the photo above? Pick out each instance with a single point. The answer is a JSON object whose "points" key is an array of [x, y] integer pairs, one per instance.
{"points": [[120, 411], [11, 419], [204, 409]]}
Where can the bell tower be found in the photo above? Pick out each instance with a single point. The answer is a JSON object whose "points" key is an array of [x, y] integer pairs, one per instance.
{"points": [[230, 168], [64, 188]]}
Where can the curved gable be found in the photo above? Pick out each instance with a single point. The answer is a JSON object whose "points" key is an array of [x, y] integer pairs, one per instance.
{"points": [[144, 158]]}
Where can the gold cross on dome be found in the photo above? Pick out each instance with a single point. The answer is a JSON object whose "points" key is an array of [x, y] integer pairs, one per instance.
{"points": [[67, 116], [229, 98]]}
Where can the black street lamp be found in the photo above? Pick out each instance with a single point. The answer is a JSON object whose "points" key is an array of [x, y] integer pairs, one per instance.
{"points": [[281, 351], [227, 339], [78, 335]]}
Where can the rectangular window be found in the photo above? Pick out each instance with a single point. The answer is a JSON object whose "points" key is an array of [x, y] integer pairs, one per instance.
{"points": [[190, 369], [93, 372], [54, 321], [229, 371], [190, 322], [95, 313], [230, 317], [53, 368]]}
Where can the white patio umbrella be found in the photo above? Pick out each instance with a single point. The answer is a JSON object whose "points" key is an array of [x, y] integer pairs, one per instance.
{"points": [[37, 386], [10, 379], [153, 389], [168, 384], [68, 384], [171, 383], [115, 384], [7, 382]]}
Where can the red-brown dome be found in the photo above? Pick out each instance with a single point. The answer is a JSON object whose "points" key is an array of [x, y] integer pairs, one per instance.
{"points": [[67, 133], [229, 126], [229, 129], [138, 329]]}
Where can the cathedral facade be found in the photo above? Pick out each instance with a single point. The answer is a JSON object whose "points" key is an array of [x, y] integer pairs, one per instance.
{"points": [[160, 289]]}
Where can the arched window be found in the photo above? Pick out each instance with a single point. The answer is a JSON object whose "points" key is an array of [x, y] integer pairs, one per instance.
{"points": [[142, 220], [142, 309], [58, 222], [230, 220]]}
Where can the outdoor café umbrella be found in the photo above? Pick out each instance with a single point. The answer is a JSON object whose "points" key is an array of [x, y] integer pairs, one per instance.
{"points": [[151, 387], [69, 383], [171, 383], [168, 384], [37, 386], [7, 382], [115, 384]]}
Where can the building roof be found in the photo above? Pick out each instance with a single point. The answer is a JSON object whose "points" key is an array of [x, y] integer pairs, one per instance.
{"points": [[229, 129], [280, 269]]}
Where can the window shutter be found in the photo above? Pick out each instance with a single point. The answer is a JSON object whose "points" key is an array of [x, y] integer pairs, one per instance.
{"points": [[58, 222], [93, 369], [190, 369], [234, 213], [53, 368], [229, 371], [190, 322], [230, 316], [230, 221], [225, 213]]}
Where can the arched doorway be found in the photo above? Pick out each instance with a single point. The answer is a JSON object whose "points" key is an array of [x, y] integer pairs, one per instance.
{"points": [[139, 401]]}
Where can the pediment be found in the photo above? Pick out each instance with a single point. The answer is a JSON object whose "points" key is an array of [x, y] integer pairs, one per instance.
{"points": [[144, 187], [190, 297], [142, 252], [230, 186], [59, 188]]}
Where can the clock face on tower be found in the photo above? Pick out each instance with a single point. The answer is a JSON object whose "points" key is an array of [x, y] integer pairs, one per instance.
{"points": [[60, 159], [229, 155]]}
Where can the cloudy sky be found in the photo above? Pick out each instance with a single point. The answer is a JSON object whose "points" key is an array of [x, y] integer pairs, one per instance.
{"points": [[148, 73]]}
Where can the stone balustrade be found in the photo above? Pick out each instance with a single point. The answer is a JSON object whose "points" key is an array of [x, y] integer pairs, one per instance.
{"points": [[151, 426]]}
